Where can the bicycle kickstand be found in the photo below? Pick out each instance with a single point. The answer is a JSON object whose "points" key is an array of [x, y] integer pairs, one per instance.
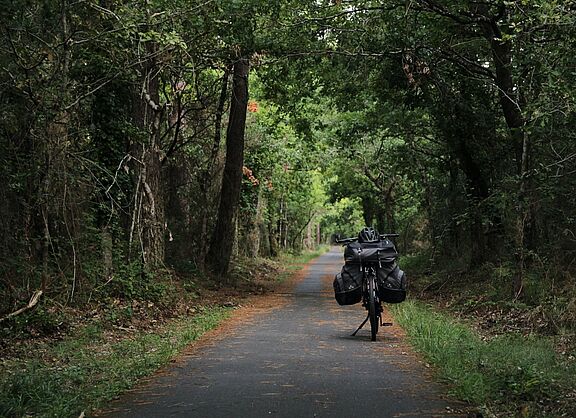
{"points": [[361, 325]]}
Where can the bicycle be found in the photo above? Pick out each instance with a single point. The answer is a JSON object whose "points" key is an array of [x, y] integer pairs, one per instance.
{"points": [[371, 291]]}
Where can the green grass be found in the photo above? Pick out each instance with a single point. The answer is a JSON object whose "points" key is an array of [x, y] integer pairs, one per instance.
{"points": [[296, 262], [85, 370], [505, 374]]}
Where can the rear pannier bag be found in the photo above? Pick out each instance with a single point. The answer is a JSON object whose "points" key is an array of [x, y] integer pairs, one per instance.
{"points": [[392, 284], [348, 285]]}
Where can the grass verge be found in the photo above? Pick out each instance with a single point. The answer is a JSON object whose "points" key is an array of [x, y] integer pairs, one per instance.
{"points": [[509, 375], [302, 258], [85, 370], [296, 262]]}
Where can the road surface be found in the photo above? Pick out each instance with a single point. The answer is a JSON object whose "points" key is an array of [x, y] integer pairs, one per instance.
{"points": [[294, 358]]}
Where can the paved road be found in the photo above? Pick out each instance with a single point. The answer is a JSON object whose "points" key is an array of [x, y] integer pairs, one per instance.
{"points": [[295, 360]]}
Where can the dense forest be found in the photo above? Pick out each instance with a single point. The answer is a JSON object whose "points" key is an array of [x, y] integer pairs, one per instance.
{"points": [[140, 138], [147, 147]]}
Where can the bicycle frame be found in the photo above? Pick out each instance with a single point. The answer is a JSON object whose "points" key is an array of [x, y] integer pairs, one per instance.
{"points": [[368, 274], [370, 300]]}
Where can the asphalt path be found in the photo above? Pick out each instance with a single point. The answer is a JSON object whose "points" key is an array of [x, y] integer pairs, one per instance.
{"points": [[295, 358]]}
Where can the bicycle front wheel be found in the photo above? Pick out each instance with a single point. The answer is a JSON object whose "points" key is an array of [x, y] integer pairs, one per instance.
{"points": [[372, 309]]}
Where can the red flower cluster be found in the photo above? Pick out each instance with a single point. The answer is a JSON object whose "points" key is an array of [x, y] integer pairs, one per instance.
{"points": [[248, 173], [252, 106]]}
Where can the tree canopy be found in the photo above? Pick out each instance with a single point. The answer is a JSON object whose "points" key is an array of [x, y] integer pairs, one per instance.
{"points": [[139, 137]]}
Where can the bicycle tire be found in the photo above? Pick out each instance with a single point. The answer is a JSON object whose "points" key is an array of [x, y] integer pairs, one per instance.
{"points": [[372, 313]]}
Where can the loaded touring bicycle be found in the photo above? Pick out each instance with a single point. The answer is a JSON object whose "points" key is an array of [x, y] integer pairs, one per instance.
{"points": [[370, 275]]}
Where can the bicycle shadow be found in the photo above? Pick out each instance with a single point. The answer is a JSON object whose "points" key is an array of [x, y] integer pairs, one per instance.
{"points": [[381, 337]]}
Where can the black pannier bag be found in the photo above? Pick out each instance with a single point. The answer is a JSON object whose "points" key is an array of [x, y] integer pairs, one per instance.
{"points": [[392, 283], [370, 252], [348, 285]]}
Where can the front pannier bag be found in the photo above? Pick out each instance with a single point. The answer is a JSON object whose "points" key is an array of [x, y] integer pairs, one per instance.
{"points": [[373, 252], [348, 285]]}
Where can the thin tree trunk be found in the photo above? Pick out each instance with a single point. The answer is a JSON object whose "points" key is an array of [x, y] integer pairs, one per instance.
{"points": [[281, 225], [273, 238], [254, 227], [45, 248], [523, 215], [55, 150], [220, 252], [389, 204], [106, 245], [429, 208]]}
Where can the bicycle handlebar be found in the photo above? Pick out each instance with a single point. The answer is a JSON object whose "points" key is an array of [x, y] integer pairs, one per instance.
{"points": [[349, 240], [346, 240]]}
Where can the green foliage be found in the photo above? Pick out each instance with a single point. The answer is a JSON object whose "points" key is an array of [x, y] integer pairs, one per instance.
{"points": [[344, 217], [132, 281], [295, 261], [287, 168], [417, 263]]}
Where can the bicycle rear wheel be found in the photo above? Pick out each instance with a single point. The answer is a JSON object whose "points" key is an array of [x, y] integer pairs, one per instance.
{"points": [[372, 309]]}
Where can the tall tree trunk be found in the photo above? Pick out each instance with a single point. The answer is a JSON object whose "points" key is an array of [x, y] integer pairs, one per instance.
{"points": [[510, 101], [368, 210], [54, 152], [206, 182], [264, 225], [148, 215], [273, 238], [219, 254], [429, 208], [308, 239], [478, 190]]}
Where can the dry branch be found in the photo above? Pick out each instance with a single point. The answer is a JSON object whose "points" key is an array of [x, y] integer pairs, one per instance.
{"points": [[31, 304]]}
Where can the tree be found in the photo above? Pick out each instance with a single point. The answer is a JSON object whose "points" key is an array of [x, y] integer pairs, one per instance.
{"points": [[219, 254]]}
